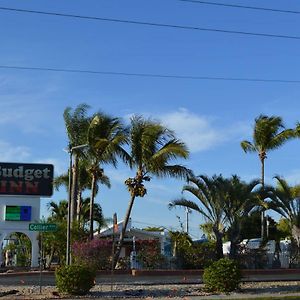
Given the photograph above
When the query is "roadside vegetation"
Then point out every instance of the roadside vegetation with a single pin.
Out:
(233, 210)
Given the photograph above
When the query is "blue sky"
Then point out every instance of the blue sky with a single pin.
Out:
(212, 117)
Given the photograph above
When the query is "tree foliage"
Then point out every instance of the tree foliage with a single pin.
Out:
(209, 192)
(153, 148)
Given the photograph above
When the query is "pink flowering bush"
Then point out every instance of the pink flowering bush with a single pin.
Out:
(95, 253)
(148, 254)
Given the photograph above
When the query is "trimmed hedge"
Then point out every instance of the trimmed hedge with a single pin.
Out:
(222, 276)
(75, 279)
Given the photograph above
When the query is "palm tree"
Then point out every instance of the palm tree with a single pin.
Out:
(84, 183)
(77, 123)
(58, 212)
(211, 194)
(285, 200)
(269, 134)
(152, 148)
(58, 215)
(241, 198)
(106, 136)
(98, 216)
(54, 242)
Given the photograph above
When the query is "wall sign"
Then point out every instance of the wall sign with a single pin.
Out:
(26, 179)
(17, 213)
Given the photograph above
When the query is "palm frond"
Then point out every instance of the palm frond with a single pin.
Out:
(62, 180)
(76, 122)
(188, 204)
(248, 146)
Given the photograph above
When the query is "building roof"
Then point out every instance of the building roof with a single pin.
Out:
(131, 231)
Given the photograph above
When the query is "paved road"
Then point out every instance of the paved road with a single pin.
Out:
(49, 280)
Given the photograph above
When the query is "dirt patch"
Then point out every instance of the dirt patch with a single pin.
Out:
(122, 291)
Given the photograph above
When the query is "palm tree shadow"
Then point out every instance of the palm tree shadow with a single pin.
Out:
(142, 293)
(273, 289)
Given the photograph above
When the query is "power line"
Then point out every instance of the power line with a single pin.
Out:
(149, 75)
(217, 30)
(243, 6)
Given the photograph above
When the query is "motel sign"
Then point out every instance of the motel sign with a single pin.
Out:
(26, 179)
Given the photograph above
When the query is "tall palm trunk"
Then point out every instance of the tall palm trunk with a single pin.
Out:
(263, 173)
(234, 241)
(219, 243)
(78, 209)
(262, 216)
(93, 192)
(122, 235)
(74, 188)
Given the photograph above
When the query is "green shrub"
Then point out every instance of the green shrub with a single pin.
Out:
(222, 276)
(75, 279)
(189, 254)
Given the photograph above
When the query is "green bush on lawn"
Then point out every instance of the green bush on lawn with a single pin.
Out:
(222, 276)
(75, 279)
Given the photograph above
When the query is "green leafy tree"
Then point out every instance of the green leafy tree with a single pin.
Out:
(98, 216)
(207, 229)
(58, 211)
(180, 240)
(106, 137)
(152, 148)
(211, 194)
(269, 134)
(250, 225)
(54, 243)
(284, 228)
(20, 245)
(240, 199)
(84, 183)
(285, 200)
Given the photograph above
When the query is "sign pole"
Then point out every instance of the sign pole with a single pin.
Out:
(69, 216)
(41, 262)
(42, 227)
(114, 231)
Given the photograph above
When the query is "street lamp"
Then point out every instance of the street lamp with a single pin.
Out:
(68, 252)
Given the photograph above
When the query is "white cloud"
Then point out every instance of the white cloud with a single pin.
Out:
(239, 131)
(59, 166)
(11, 153)
(199, 132)
(196, 131)
(118, 176)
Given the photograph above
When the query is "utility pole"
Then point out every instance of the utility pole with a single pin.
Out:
(187, 211)
(70, 200)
